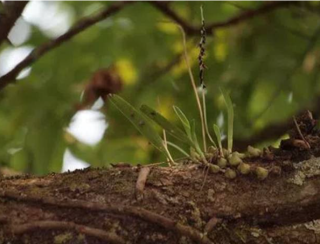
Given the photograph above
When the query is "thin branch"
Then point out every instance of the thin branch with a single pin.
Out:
(165, 9)
(300, 133)
(109, 237)
(141, 213)
(264, 9)
(38, 52)
(274, 131)
(246, 15)
(275, 24)
(270, 132)
(141, 181)
(157, 72)
(12, 12)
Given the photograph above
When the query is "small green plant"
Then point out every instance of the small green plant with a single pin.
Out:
(166, 125)
(141, 123)
(229, 105)
(184, 121)
(186, 57)
(189, 127)
(178, 148)
(218, 135)
(189, 136)
(194, 138)
(226, 161)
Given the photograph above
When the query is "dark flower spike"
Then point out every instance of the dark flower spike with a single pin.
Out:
(202, 50)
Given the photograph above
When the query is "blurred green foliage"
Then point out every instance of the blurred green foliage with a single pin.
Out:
(269, 63)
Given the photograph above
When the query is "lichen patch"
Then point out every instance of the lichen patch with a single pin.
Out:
(305, 169)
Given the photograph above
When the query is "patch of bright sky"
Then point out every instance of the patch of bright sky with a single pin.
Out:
(20, 33)
(70, 162)
(98, 104)
(10, 57)
(52, 18)
(88, 127)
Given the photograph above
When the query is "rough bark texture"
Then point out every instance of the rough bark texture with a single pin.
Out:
(101, 206)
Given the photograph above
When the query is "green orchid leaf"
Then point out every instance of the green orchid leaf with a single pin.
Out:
(138, 120)
(218, 135)
(166, 125)
(194, 137)
(185, 122)
(178, 148)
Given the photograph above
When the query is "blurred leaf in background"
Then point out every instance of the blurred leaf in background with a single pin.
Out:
(269, 61)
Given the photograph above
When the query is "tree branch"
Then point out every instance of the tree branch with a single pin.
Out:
(249, 14)
(12, 12)
(166, 10)
(275, 207)
(38, 52)
(246, 15)
(175, 207)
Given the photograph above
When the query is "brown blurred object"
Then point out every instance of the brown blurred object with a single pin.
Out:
(102, 83)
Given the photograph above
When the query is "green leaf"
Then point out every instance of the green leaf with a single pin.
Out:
(165, 124)
(20, 160)
(138, 120)
(46, 148)
(194, 137)
(229, 105)
(185, 122)
(178, 148)
(218, 135)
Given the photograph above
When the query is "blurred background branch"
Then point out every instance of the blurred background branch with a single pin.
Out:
(80, 26)
(211, 27)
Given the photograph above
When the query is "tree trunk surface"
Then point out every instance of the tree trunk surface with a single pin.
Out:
(179, 204)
